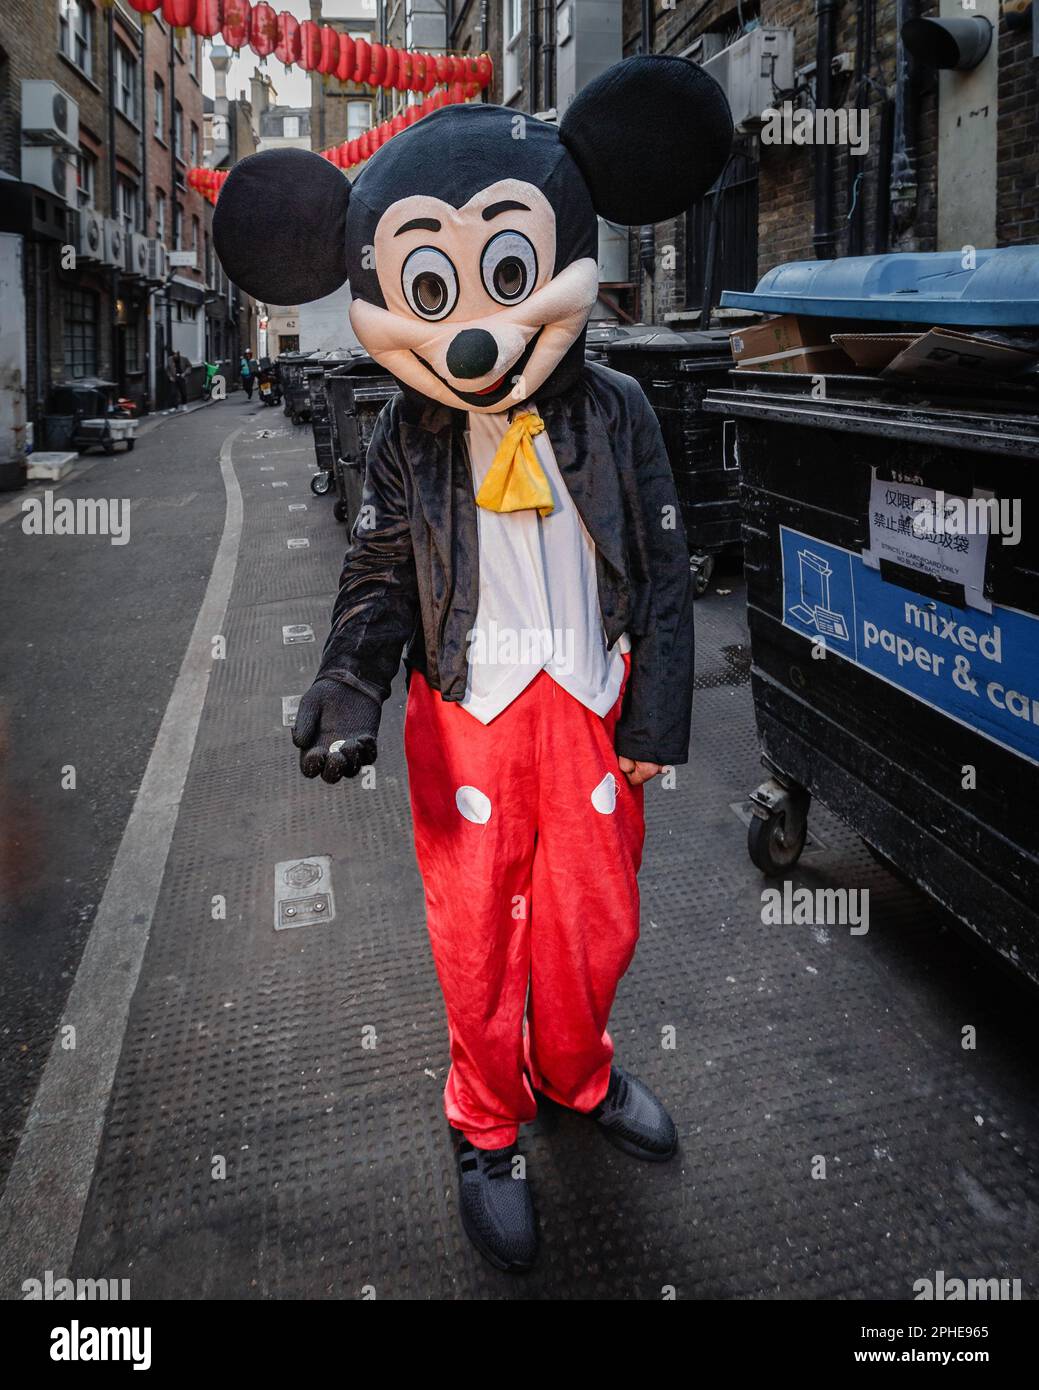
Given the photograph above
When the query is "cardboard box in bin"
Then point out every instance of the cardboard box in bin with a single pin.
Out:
(940, 355)
(789, 343)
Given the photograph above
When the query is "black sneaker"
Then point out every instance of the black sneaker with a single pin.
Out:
(632, 1118)
(497, 1209)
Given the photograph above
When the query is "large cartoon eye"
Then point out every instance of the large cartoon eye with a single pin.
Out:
(429, 282)
(509, 267)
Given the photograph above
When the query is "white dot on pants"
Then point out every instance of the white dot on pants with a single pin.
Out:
(473, 805)
(604, 798)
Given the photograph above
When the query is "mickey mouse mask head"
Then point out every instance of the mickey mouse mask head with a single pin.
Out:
(470, 239)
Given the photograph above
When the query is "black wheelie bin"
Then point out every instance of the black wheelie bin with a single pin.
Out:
(676, 370)
(891, 549)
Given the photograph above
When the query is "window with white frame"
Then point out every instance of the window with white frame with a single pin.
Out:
(126, 192)
(290, 127)
(511, 65)
(178, 129)
(159, 126)
(86, 178)
(358, 118)
(76, 32)
(125, 81)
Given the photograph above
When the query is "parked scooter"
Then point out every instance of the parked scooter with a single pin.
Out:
(270, 390)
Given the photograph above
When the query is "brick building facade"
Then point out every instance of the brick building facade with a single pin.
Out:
(958, 186)
(137, 89)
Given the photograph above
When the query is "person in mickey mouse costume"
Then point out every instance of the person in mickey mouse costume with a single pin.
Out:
(518, 545)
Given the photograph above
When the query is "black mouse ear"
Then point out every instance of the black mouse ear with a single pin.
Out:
(650, 135)
(280, 226)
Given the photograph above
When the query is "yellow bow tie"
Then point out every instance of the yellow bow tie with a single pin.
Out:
(515, 480)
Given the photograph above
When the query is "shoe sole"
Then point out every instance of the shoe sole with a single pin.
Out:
(504, 1265)
(635, 1151)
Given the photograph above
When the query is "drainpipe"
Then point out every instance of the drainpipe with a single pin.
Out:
(647, 234)
(113, 186)
(484, 36)
(824, 240)
(549, 55)
(535, 53)
(903, 155)
(172, 85)
(856, 177)
(149, 294)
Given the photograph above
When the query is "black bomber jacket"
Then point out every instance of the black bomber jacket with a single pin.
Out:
(410, 580)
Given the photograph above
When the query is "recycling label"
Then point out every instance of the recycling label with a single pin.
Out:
(981, 669)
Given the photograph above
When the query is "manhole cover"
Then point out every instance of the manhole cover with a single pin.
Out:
(303, 892)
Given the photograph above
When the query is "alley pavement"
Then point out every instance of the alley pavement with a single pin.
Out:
(252, 1108)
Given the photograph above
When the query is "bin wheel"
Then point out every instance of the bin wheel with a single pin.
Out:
(320, 483)
(108, 445)
(768, 846)
(702, 567)
(297, 418)
(339, 511)
(129, 444)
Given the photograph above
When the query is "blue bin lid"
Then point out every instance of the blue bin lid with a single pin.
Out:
(930, 287)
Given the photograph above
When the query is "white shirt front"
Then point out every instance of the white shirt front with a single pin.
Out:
(538, 603)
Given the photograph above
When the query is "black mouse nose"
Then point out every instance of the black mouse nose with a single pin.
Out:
(472, 353)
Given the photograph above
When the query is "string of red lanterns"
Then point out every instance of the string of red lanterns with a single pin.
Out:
(209, 182)
(319, 48)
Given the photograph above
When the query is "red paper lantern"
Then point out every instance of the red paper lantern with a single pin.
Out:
(471, 90)
(364, 145)
(310, 45)
(389, 77)
(179, 13)
(398, 123)
(264, 36)
(377, 71)
(237, 23)
(208, 18)
(363, 60)
(346, 60)
(457, 94)
(329, 55)
(288, 49)
(418, 71)
(412, 114)
(442, 63)
(408, 73)
(484, 70)
(145, 7)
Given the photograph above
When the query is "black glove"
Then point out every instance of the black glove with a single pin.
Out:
(331, 713)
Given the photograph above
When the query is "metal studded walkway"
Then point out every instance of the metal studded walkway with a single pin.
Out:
(275, 1127)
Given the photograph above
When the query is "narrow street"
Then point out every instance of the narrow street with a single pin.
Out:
(252, 1109)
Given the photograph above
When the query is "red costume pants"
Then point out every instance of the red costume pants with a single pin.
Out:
(529, 840)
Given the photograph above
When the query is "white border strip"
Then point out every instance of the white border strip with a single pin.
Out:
(43, 1202)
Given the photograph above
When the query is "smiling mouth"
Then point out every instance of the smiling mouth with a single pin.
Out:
(498, 390)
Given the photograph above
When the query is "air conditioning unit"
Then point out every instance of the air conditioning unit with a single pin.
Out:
(114, 244)
(753, 72)
(49, 115)
(90, 234)
(158, 261)
(49, 168)
(136, 254)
